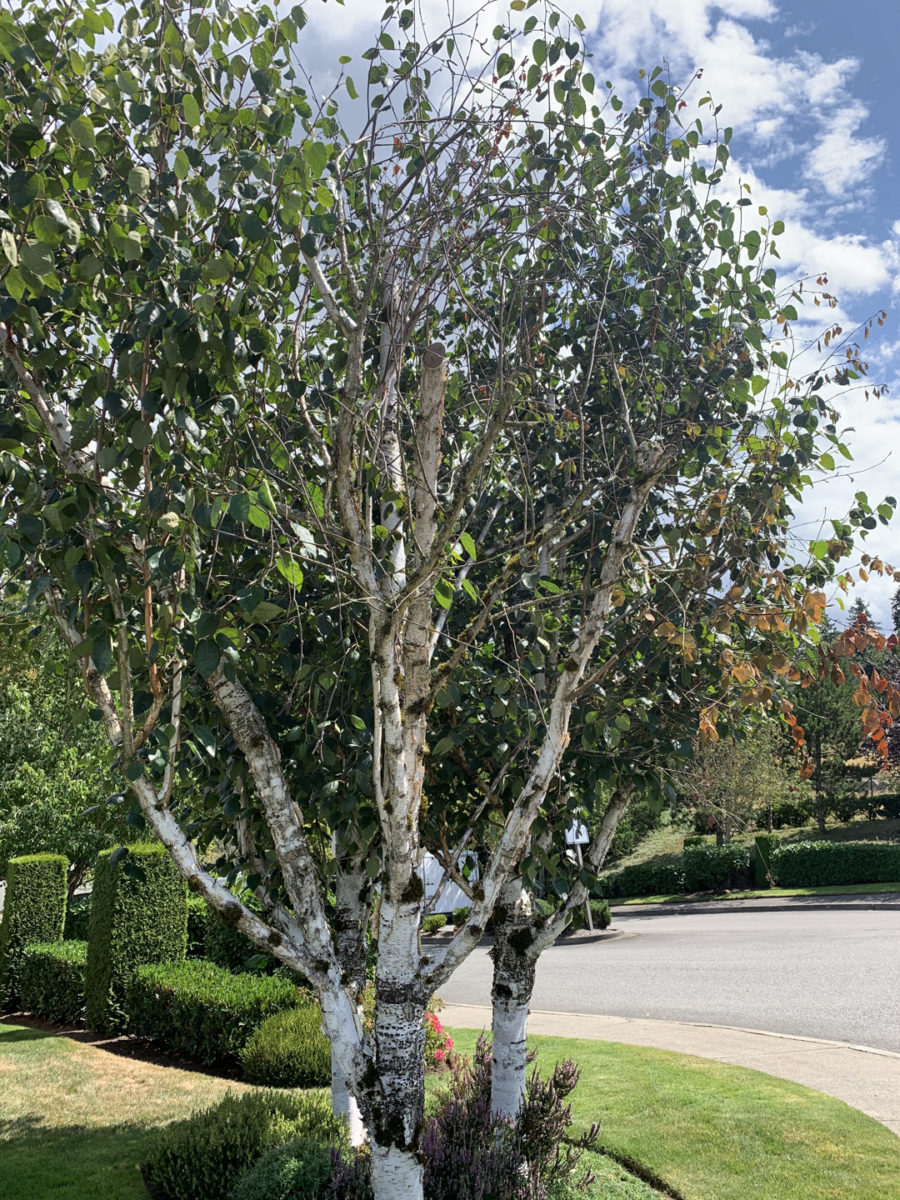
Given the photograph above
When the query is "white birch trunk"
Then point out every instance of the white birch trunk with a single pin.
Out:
(344, 1103)
(513, 984)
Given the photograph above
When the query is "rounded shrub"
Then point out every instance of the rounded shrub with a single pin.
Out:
(433, 923)
(299, 1170)
(203, 1157)
(289, 1049)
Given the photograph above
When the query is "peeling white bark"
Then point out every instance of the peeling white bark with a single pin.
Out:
(513, 983)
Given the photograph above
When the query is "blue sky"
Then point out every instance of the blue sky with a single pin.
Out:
(807, 86)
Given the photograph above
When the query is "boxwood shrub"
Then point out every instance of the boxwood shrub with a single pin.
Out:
(824, 864)
(53, 981)
(433, 923)
(203, 1157)
(289, 1049)
(34, 911)
(646, 879)
(202, 1011)
(138, 916)
(707, 868)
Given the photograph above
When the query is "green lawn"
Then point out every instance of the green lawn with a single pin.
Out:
(846, 889)
(74, 1119)
(717, 1132)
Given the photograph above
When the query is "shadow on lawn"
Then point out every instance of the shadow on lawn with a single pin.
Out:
(74, 1162)
(28, 1028)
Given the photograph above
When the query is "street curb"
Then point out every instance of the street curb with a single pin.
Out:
(664, 908)
(767, 1033)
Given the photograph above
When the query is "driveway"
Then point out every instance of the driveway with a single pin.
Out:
(832, 975)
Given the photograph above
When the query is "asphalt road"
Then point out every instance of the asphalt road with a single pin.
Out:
(832, 975)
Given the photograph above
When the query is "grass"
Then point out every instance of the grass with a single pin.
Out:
(74, 1118)
(711, 1131)
(846, 889)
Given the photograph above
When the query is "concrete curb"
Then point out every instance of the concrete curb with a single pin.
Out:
(861, 903)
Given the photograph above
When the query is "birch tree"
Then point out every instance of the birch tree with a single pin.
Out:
(273, 390)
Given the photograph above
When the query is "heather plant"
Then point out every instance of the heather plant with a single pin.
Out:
(472, 1155)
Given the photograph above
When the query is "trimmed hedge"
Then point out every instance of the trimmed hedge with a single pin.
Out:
(34, 911)
(824, 864)
(765, 845)
(138, 916)
(53, 981)
(646, 879)
(289, 1049)
(202, 1011)
(203, 1157)
(433, 923)
(708, 868)
(78, 916)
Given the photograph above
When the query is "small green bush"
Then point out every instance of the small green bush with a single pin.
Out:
(200, 1010)
(461, 915)
(138, 916)
(298, 1170)
(203, 1157)
(34, 911)
(824, 864)
(707, 868)
(646, 879)
(197, 910)
(434, 923)
(600, 916)
(53, 981)
(694, 840)
(78, 916)
(765, 845)
(289, 1049)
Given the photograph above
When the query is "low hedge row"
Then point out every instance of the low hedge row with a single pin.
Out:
(52, 981)
(824, 864)
(645, 879)
(711, 868)
(200, 1010)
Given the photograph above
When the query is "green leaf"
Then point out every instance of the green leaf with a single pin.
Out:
(351, 88)
(443, 593)
(239, 507)
(266, 612)
(82, 131)
(259, 517)
(141, 434)
(102, 654)
(290, 570)
(138, 180)
(818, 549)
(10, 249)
(468, 543)
(38, 258)
(826, 462)
(191, 110)
(206, 739)
(505, 63)
(207, 657)
(182, 165)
